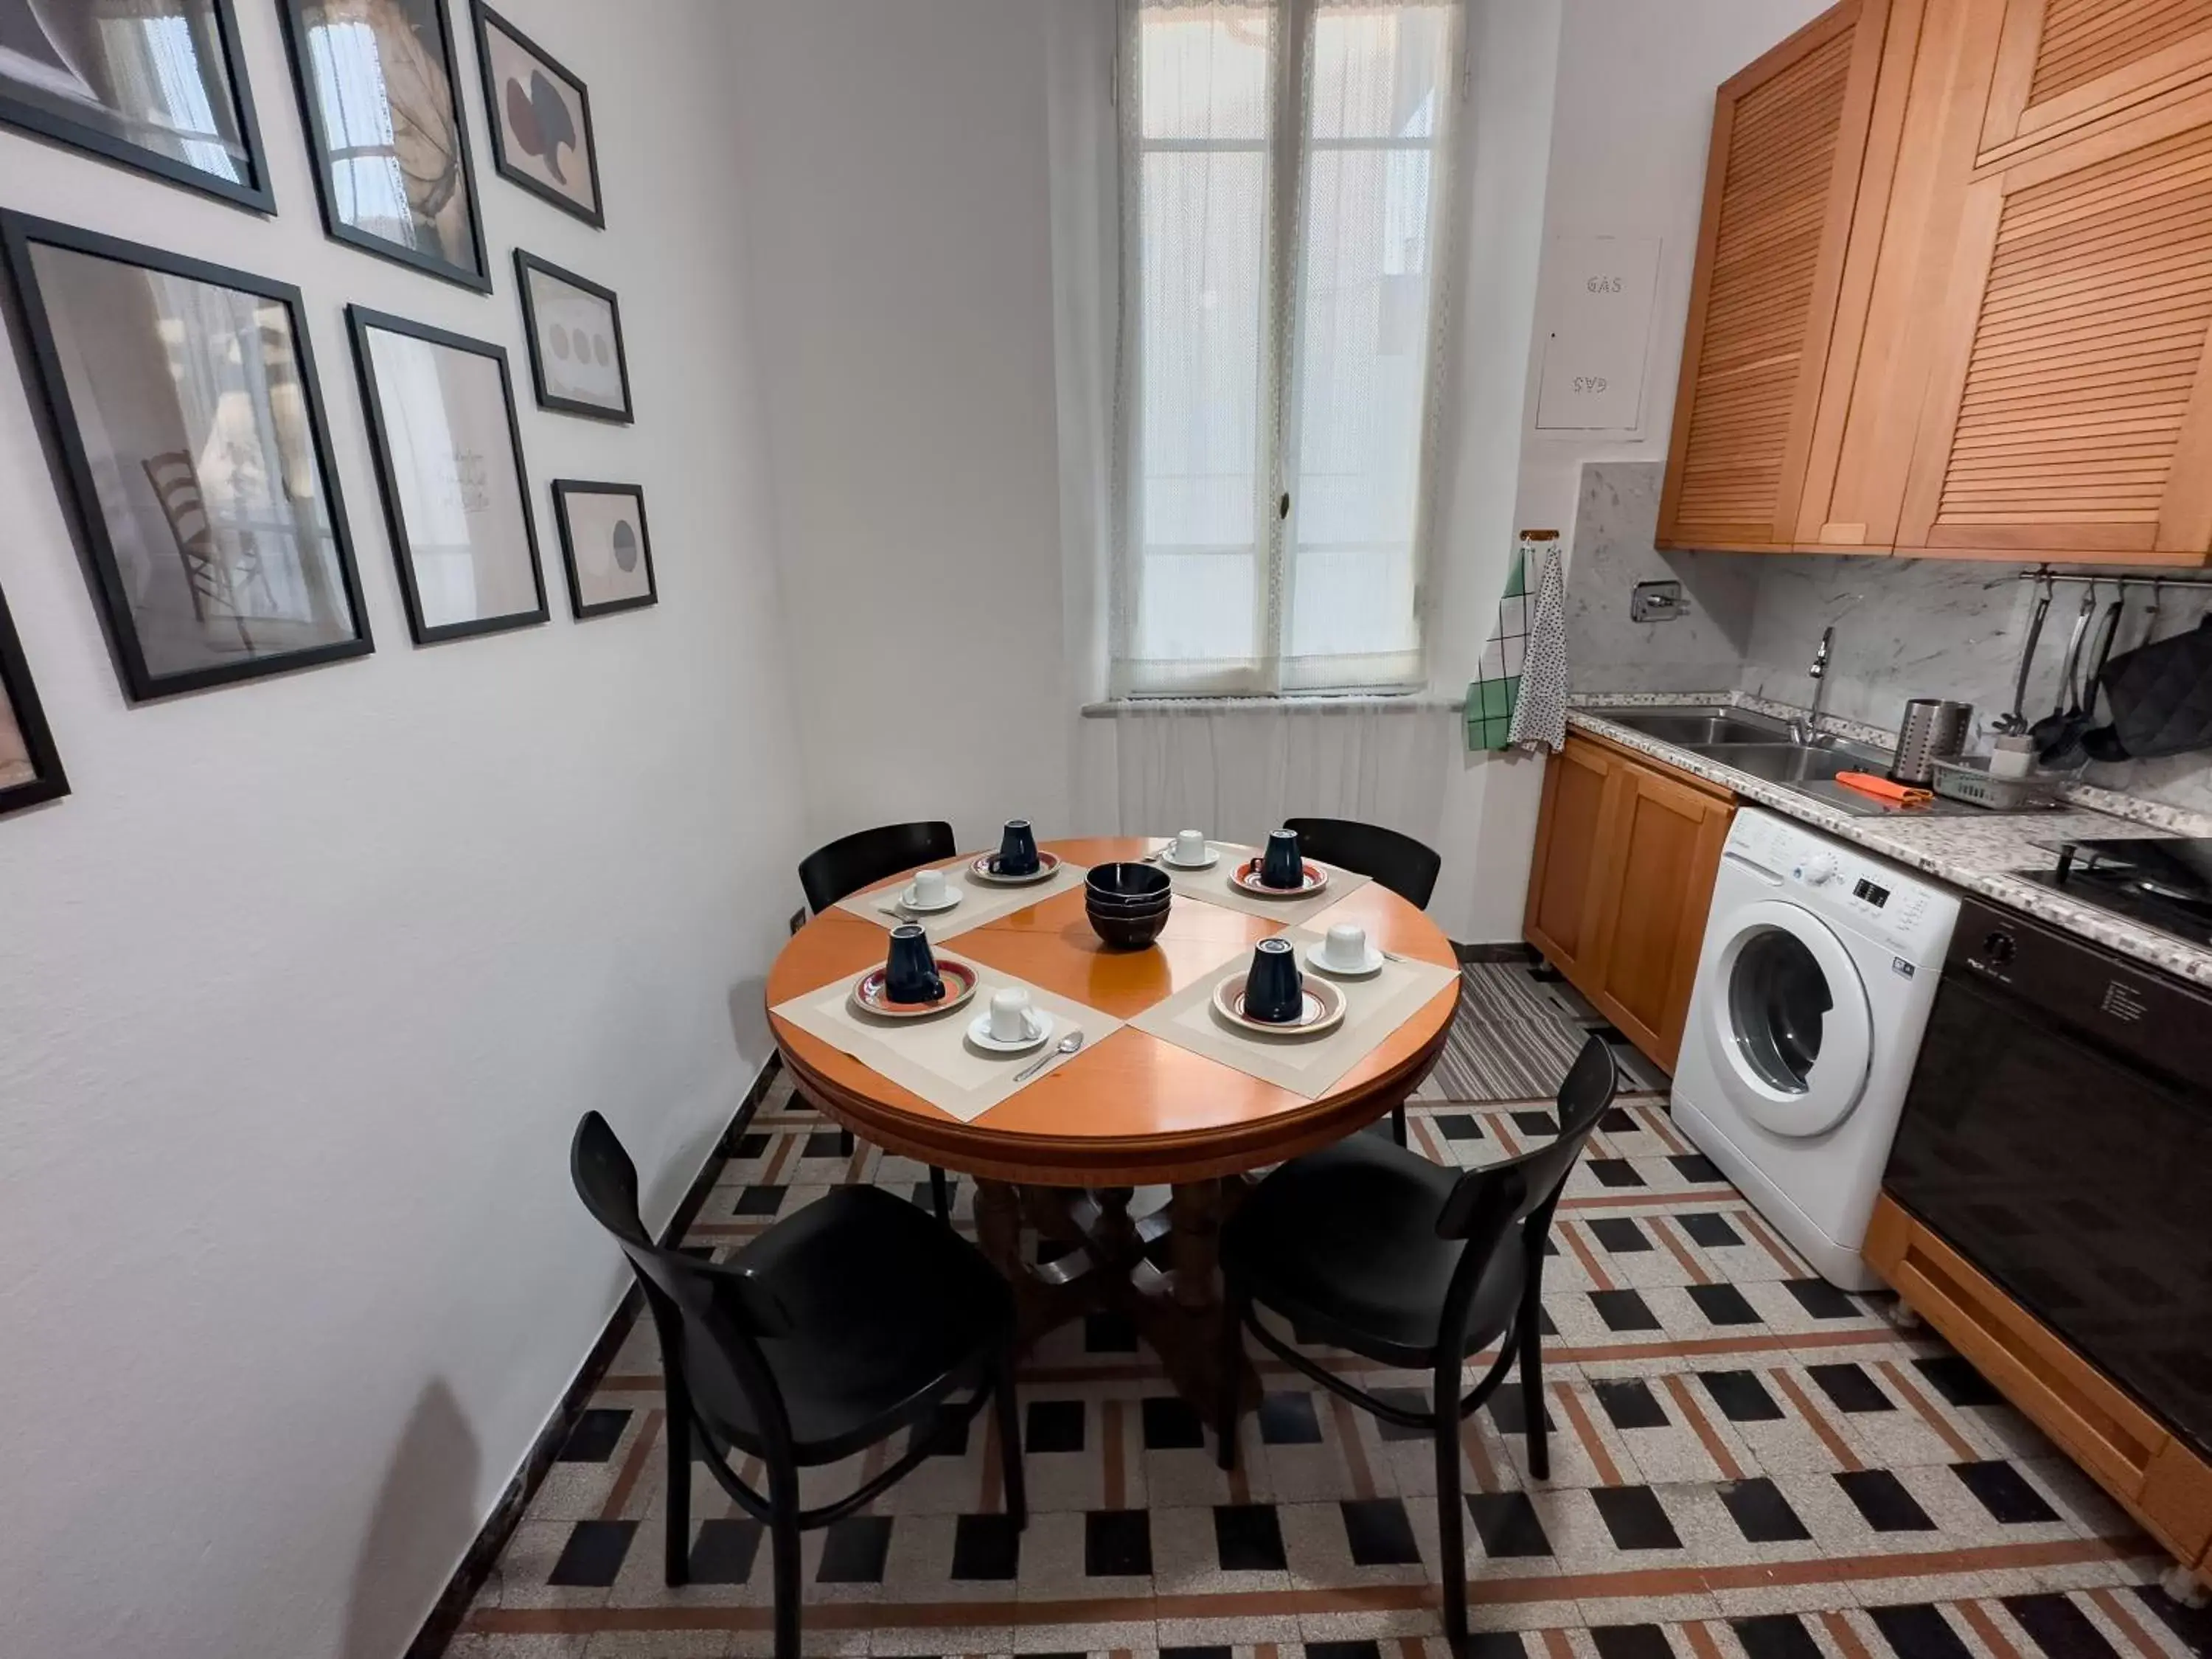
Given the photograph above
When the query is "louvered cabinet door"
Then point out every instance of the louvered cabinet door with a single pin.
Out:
(1781, 181)
(2069, 411)
(2065, 67)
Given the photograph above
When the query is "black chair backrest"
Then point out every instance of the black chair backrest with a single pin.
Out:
(850, 863)
(1526, 1189)
(1401, 864)
(710, 1317)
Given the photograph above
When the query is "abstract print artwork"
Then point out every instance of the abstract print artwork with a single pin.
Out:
(574, 330)
(605, 547)
(541, 119)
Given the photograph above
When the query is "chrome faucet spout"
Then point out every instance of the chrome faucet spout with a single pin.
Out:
(1804, 729)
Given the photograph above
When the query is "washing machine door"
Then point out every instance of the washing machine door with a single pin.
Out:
(1790, 1034)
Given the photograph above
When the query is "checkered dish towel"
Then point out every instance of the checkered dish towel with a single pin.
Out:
(1519, 698)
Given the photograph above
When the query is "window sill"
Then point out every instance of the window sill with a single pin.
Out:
(1317, 702)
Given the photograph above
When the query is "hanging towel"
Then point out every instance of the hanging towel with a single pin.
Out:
(1519, 695)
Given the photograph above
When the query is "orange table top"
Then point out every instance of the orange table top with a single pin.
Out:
(1131, 1109)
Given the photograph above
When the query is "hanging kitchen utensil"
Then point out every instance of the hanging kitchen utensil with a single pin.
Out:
(2102, 743)
(2047, 731)
(2066, 749)
(2013, 720)
(2161, 698)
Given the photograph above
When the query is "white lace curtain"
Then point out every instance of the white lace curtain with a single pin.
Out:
(1283, 180)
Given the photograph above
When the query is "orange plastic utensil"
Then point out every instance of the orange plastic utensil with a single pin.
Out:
(1884, 789)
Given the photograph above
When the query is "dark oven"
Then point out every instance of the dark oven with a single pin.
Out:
(2058, 1133)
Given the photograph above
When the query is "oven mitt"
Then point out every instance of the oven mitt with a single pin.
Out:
(2160, 696)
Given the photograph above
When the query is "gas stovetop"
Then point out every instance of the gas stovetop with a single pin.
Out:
(2162, 881)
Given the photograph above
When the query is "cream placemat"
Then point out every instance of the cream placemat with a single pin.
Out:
(980, 900)
(1212, 886)
(1374, 1008)
(933, 1057)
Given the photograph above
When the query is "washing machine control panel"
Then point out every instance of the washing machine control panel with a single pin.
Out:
(1866, 893)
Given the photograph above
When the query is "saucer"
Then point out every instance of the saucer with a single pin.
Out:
(960, 979)
(1245, 877)
(981, 869)
(906, 900)
(979, 1033)
(1168, 858)
(1317, 957)
(1320, 1009)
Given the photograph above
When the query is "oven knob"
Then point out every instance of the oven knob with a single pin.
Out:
(1999, 946)
(1814, 868)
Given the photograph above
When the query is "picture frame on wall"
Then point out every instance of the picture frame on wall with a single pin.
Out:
(30, 766)
(187, 416)
(448, 448)
(605, 547)
(541, 119)
(379, 93)
(160, 89)
(578, 365)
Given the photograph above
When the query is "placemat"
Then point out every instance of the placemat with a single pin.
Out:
(980, 900)
(1374, 1008)
(933, 1057)
(1211, 886)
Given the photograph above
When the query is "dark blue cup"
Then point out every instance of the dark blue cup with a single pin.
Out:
(1273, 989)
(910, 974)
(1282, 866)
(1017, 852)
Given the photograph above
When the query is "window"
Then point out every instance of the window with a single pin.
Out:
(1283, 191)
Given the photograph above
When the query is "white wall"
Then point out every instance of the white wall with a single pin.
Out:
(894, 164)
(303, 990)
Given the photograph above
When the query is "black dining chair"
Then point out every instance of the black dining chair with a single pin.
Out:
(1407, 867)
(1370, 1248)
(848, 1320)
(852, 862)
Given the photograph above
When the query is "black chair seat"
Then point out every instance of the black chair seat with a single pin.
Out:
(1343, 1242)
(892, 1311)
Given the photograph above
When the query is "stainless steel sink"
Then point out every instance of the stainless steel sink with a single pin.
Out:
(1699, 728)
(1789, 763)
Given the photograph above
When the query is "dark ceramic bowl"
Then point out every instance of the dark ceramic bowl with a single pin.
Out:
(1125, 883)
(1124, 931)
(1119, 907)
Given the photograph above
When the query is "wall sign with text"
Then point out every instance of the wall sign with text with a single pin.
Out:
(1598, 317)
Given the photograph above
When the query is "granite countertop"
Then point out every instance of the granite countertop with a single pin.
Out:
(1977, 854)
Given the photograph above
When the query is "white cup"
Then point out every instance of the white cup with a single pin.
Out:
(1009, 1015)
(1190, 847)
(1345, 946)
(928, 891)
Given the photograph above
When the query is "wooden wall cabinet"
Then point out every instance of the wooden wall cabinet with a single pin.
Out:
(1627, 851)
(1953, 291)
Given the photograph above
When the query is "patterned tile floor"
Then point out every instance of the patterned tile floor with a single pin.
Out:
(1746, 1464)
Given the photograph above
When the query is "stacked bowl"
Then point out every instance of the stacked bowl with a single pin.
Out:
(1128, 904)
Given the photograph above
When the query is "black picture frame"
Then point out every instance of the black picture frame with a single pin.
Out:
(48, 383)
(258, 196)
(19, 699)
(525, 265)
(361, 321)
(321, 151)
(563, 488)
(487, 20)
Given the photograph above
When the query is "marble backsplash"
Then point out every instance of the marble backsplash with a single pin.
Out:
(1905, 628)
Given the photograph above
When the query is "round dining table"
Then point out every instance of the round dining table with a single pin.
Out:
(1066, 1153)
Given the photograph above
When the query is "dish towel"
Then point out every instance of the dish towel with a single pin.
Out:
(1540, 713)
(1517, 653)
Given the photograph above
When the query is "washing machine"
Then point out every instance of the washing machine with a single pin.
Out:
(1813, 988)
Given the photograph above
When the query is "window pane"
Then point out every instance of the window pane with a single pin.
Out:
(1205, 71)
(1380, 81)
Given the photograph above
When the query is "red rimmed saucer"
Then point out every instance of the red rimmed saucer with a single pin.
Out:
(981, 869)
(1245, 877)
(1321, 1008)
(960, 979)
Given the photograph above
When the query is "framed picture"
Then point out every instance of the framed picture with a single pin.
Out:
(574, 330)
(387, 139)
(449, 454)
(158, 87)
(604, 544)
(30, 768)
(186, 413)
(541, 119)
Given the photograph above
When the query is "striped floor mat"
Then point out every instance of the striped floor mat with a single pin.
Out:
(1512, 1039)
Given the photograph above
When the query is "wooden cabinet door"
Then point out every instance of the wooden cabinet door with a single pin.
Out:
(1782, 184)
(2067, 65)
(1560, 918)
(1661, 851)
(2069, 411)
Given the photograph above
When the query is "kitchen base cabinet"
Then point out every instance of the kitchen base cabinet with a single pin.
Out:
(2153, 1474)
(1627, 851)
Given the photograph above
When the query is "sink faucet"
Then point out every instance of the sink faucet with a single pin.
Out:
(1803, 728)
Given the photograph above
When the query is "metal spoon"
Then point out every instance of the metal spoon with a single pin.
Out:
(1066, 1045)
